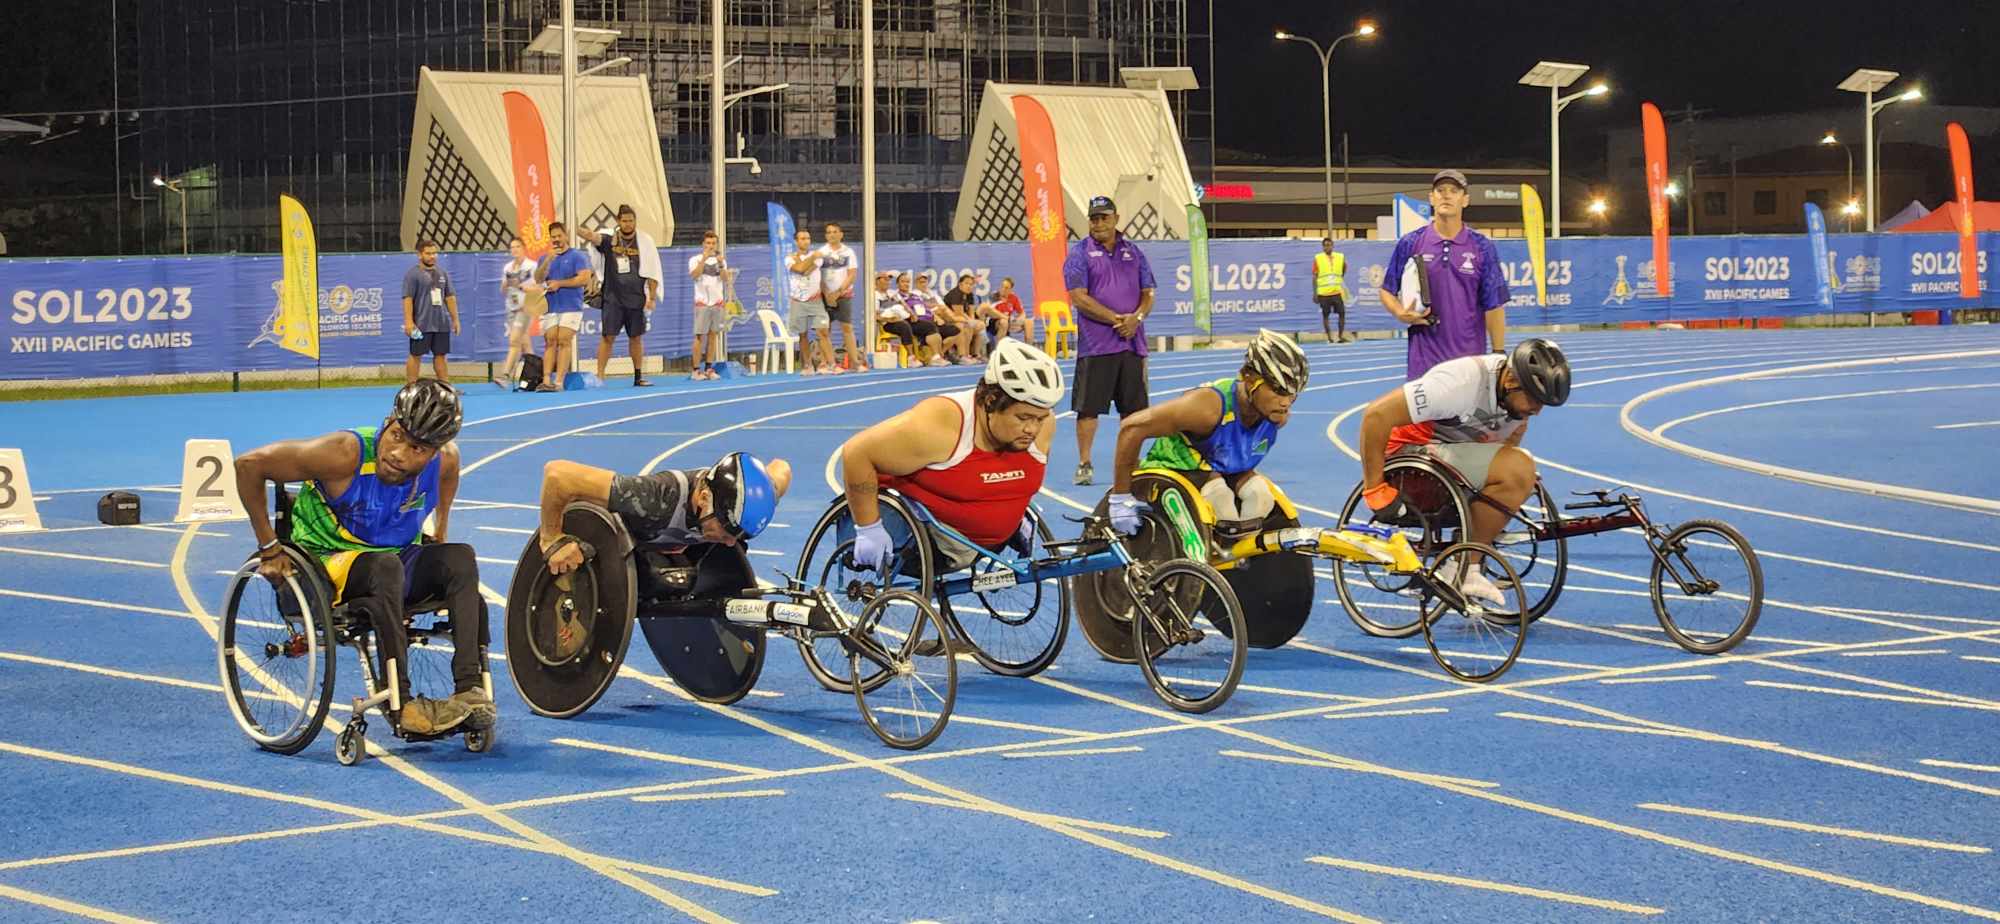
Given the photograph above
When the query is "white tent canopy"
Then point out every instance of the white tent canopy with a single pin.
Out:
(460, 186)
(1110, 141)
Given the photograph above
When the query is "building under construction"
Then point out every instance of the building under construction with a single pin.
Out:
(247, 101)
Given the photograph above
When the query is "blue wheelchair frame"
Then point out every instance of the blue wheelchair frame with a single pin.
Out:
(1001, 572)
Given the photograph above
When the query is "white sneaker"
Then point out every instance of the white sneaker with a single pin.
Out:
(1477, 588)
(939, 361)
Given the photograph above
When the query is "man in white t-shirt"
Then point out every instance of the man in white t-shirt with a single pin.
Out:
(839, 268)
(808, 313)
(1469, 413)
(711, 275)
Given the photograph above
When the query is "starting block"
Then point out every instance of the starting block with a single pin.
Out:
(208, 483)
(17, 499)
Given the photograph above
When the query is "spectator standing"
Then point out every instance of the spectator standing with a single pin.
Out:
(1111, 288)
(518, 291)
(711, 274)
(564, 276)
(430, 313)
(808, 313)
(839, 270)
(629, 288)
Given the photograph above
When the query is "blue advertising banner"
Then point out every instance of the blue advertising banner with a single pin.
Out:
(138, 316)
(1816, 244)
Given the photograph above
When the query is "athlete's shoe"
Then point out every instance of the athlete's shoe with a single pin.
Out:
(423, 716)
(1477, 588)
(1084, 474)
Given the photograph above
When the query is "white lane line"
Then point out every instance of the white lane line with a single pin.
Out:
(1617, 680)
(1894, 654)
(1863, 694)
(1955, 765)
(507, 529)
(1569, 898)
(1816, 829)
(1961, 426)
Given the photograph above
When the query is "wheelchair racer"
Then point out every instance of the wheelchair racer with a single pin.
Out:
(973, 458)
(1469, 413)
(1216, 435)
(360, 514)
(725, 504)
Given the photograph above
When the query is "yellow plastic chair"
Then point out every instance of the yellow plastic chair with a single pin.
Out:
(885, 341)
(1058, 329)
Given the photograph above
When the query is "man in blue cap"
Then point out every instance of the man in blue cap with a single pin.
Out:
(1111, 286)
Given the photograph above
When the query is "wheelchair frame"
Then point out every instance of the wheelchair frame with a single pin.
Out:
(317, 635)
(1099, 549)
(1350, 544)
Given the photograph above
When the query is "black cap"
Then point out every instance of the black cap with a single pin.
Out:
(1102, 205)
(1452, 175)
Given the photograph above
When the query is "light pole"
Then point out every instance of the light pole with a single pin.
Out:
(717, 105)
(1364, 30)
(1556, 75)
(1844, 149)
(175, 187)
(1865, 82)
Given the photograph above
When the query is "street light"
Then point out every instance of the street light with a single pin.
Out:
(1673, 189)
(1844, 149)
(1866, 81)
(1556, 75)
(175, 187)
(1363, 30)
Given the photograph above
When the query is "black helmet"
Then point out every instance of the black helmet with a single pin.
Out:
(1278, 361)
(429, 412)
(1543, 371)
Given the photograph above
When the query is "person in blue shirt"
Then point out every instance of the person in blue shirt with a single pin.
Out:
(1216, 435)
(565, 275)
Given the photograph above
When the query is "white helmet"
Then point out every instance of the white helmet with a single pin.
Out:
(1026, 374)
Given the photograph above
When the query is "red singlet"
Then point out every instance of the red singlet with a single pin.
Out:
(979, 493)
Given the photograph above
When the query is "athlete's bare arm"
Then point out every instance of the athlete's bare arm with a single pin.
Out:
(329, 459)
(1383, 415)
(923, 435)
(1195, 412)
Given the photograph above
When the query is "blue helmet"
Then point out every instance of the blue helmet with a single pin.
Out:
(743, 495)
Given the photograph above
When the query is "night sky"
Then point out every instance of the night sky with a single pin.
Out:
(1439, 82)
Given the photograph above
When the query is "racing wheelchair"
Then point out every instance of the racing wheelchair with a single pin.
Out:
(1269, 564)
(1009, 609)
(276, 655)
(1706, 584)
(705, 616)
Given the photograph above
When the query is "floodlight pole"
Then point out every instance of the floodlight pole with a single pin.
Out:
(569, 195)
(718, 207)
(867, 277)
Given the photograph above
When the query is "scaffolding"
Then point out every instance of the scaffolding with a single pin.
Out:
(249, 100)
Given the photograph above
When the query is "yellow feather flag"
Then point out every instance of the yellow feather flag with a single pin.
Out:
(297, 329)
(1531, 224)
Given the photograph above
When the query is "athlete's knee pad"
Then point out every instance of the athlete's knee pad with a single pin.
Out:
(1222, 499)
(1254, 499)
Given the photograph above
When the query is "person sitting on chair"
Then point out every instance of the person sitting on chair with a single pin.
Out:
(361, 515)
(1215, 435)
(973, 458)
(1469, 413)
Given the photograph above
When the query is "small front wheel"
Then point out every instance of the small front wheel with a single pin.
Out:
(1707, 586)
(902, 669)
(481, 740)
(351, 745)
(1189, 626)
(1472, 611)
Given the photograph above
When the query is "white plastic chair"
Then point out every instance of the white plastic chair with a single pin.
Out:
(776, 337)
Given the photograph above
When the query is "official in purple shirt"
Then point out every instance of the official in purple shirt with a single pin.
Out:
(1111, 288)
(1467, 293)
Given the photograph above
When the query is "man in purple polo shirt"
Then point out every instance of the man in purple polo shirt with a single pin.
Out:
(1111, 286)
(1465, 300)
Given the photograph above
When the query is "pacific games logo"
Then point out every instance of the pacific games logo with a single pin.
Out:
(1859, 273)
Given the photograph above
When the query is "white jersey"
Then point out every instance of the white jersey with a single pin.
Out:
(708, 288)
(834, 264)
(513, 277)
(1457, 401)
(804, 286)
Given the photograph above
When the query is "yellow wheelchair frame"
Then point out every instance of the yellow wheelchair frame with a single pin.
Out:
(1276, 589)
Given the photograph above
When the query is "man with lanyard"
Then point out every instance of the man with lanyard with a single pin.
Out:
(1462, 294)
(973, 458)
(1111, 286)
(361, 515)
(1330, 287)
(430, 313)
(1216, 435)
(839, 269)
(630, 288)
(724, 504)
(1469, 413)
(564, 276)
